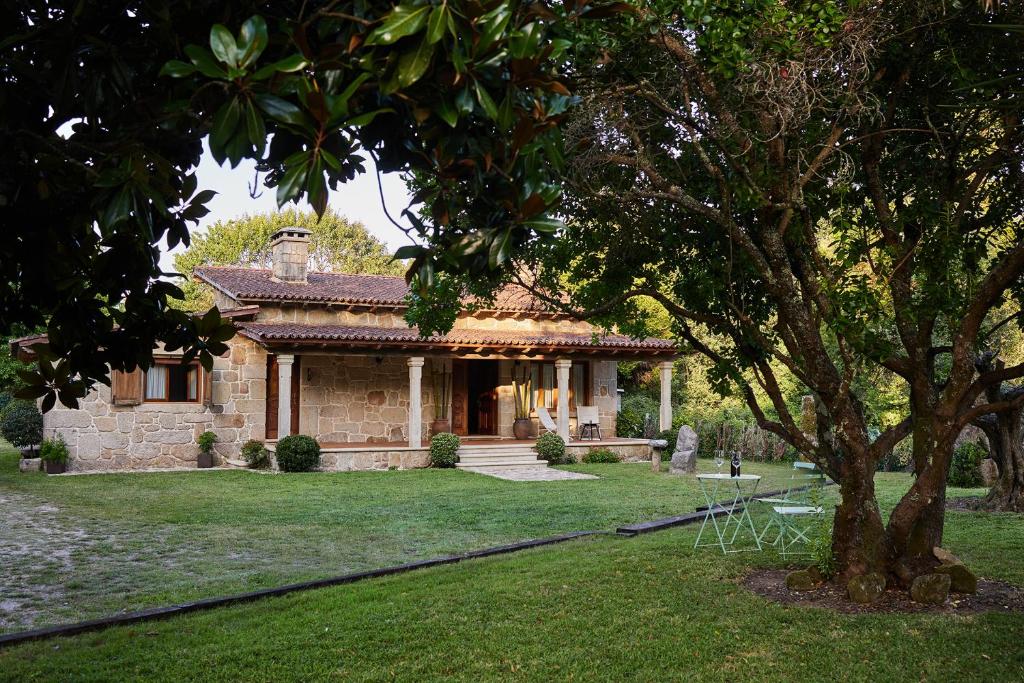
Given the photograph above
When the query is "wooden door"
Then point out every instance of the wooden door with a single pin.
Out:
(487, 398)
(272, 398)
(460, 398)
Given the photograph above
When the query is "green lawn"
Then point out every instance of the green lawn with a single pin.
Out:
(79, 547)
(602, 609)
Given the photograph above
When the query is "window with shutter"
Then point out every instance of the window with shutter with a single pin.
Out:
(126, 387)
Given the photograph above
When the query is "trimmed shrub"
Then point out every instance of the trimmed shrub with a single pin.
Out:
(255, 454)
(444, 450)
(297, 453)
(22, 424)
(54, 450)
(551, 447)
(965, 468)
(601, 455)
(5, 399)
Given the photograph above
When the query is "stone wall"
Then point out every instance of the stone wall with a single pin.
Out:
(348, 399)
(102, 436)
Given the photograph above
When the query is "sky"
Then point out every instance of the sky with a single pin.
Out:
(358, 200)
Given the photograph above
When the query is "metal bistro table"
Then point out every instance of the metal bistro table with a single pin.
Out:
(745, 487)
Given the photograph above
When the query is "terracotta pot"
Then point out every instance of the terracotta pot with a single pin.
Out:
(440, 426)
(521, 428)
(55, 467)
(205, 460)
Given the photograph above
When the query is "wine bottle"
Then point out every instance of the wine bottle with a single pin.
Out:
(734, 467)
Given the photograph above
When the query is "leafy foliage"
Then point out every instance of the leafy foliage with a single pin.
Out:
(965, 467)
(256, 454)
(106, 107)
(637, 417)
(54, 450)
(444, 449)
(601, 455)
(336, 245)
(22, 424)
(297, 453)
(551, 447)
(206, 441)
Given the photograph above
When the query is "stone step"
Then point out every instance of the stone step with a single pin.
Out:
(488, 454)
(507, 451)
(502, 462)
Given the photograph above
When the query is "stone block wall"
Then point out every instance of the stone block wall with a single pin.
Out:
(347, 399)
(102, 436)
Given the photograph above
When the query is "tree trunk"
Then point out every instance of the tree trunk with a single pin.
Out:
(916, 523)
(858, 534)
(1005, 433)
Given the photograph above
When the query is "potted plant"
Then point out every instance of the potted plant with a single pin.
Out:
(522, 425)
(206, 441)
(54, 453)
(441, 387)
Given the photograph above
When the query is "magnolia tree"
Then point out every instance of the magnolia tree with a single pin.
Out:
(821, 189)
(106, 106)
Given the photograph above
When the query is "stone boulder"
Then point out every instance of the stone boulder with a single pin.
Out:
(866, 588)
(961, 579)
(684, 458)
(803, 579)
(930, 589)
(944, 556)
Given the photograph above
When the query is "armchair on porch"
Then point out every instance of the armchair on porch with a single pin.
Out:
(548, 422)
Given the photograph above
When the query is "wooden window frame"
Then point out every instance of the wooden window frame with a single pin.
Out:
(588, 388)
(172, 362)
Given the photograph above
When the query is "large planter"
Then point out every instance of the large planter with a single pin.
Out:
(30, 464)
(205, 460)
(53, 467)
(440, 427)
(521, 428)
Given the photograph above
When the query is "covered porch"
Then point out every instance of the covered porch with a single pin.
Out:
(370, 395)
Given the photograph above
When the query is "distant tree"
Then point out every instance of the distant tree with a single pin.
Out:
(337, 245)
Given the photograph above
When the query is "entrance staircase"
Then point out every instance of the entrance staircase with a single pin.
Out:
(512, 455)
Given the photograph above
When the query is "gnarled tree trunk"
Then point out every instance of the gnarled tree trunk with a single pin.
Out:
(1005, 432)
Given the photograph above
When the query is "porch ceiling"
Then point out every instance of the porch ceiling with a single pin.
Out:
(461, 341)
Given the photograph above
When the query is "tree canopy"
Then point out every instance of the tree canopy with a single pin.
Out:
(822, 190)
(106, 104)
(336, 245)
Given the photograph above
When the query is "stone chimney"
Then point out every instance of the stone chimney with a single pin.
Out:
(289, 254)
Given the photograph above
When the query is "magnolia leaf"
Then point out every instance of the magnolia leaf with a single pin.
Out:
(437, 23)
(254, 39)
(401, 22)
(280, 109)
(177, 69)
(222, 43)
(205, 62)
(413, 64)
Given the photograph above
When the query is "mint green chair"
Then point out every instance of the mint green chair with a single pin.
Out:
(795, 514)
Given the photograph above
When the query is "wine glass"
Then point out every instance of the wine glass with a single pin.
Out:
(719, 460)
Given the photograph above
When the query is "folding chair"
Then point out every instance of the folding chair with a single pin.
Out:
(795, 514)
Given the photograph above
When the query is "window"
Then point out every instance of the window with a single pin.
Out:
(545, 381)
(173, 382)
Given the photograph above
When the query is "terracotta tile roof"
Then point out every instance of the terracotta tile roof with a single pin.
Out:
(254, 284)
(356, 336)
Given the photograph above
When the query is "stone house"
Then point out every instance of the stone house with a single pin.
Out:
(331, 356)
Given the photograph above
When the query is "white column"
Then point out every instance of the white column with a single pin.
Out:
(562, 366)
(666, 394)
(284, 394)
(415, 402)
